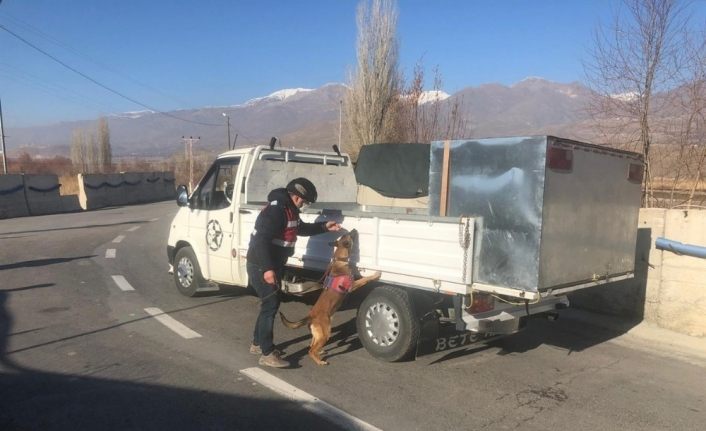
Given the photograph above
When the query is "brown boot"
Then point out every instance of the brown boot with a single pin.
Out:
(256, 350)
(273, 360)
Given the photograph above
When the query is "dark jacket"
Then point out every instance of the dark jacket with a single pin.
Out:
(270, 224)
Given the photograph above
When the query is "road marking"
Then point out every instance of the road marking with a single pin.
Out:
(133, 229)
(122, 283)
(172, 323)
(110, 253)
(119, 238)
(155, 219)
(308, 402)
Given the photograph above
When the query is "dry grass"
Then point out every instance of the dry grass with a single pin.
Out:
(681, 185)
(69, 184)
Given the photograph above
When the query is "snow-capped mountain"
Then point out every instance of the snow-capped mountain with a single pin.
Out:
(279, 95)
(309, 118)
(132, 114)
(433, 96)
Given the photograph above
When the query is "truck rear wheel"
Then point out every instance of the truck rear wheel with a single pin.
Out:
(187, 273)
(387, 324)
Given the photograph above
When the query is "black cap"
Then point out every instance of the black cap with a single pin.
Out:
(303, 188)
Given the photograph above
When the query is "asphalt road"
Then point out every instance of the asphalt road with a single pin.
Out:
(78, 352)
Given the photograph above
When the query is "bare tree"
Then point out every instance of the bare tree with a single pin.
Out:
(78, 150)
(424, 116)
(689, 130)
(91, 153)
(631, 61)
(374, 87)
(105, 151)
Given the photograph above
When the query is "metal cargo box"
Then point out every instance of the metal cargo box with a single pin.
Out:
(556, 213)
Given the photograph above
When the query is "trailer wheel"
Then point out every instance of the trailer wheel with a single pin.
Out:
(387, 324)
(187, 273)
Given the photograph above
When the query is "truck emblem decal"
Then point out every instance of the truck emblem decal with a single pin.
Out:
(214, 235)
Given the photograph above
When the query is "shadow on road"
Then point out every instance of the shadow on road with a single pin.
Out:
(34, 286)
(622, 301)
(47, 401)
(34, 399)
(173, 312)
(566, 334)
(74, 227)
(42, 262)
(344, 339)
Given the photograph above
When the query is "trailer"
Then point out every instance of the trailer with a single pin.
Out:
(482, 233)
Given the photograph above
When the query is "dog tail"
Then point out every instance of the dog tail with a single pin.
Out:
(294, 325)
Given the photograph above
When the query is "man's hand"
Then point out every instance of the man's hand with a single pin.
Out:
(332, 226)
(269, 277)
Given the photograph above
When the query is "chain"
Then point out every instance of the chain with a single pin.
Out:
(464, 240)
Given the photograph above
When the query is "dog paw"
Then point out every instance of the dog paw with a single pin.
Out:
(377, 275)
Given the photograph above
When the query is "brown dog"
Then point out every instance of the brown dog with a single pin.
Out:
(338, 282)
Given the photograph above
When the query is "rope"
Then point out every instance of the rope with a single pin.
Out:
(48, 189)
(107, 184)
(103, 184)
(12, 190)
(464, 240)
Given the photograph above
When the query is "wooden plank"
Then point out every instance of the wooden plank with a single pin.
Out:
(443, 205)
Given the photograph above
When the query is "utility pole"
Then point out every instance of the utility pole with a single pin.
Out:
(340, 123)
(228, 119)
(190, 155)
(2, 141)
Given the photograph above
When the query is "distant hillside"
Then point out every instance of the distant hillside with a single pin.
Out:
(309, 119)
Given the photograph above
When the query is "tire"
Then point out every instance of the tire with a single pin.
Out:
(387, 324)
(187, 273)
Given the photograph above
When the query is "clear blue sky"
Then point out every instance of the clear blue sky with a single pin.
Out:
(190, 54)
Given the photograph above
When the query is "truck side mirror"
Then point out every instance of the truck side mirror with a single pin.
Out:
(182, 196)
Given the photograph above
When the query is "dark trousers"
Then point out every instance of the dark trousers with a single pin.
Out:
(269, 304)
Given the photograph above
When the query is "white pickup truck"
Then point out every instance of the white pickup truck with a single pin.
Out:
(501, 230)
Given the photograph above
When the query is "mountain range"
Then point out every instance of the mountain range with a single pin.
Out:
(309, 118)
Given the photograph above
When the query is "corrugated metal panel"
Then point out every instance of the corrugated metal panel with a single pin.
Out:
(542, 228)
(502, 181)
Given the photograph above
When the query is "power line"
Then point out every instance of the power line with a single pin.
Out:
(75, 51)
(26, 78)
(166, 114)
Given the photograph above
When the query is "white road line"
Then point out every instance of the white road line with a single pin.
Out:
(119, 238)
(308, 402)
(110, 253)
(133, 229)
(122, 283)
(172, 323)
(155, 219)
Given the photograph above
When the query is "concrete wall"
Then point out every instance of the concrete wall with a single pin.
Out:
(102, 190)
(23, 195)
(668, 290)
(43, 196)
(12, 196)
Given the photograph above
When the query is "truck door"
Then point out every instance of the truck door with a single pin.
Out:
(211, 221)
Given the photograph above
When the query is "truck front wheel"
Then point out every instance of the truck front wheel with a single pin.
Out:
(187, 273)
(387, 324)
